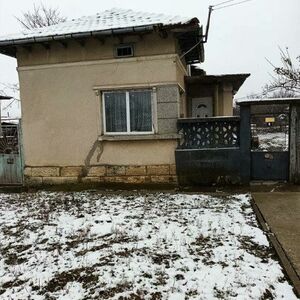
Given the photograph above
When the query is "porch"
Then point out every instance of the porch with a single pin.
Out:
(211, 95)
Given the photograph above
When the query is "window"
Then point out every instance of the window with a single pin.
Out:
(124, 51)
(127, 112)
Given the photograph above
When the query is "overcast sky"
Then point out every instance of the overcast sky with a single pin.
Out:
(240, 39)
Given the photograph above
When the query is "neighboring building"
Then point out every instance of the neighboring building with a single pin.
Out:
(101, 96)
(270, 115)
(3, 98)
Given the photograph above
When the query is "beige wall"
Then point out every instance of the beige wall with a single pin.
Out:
(93, 49)
(61, 113)
(130, 153)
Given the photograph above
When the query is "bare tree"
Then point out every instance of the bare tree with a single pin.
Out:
(283, 93)
(254, 96)
(285, 81)
(11, 90)
(40, 16)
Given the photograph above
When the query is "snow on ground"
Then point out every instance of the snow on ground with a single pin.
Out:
(88, 245)
(273, 141)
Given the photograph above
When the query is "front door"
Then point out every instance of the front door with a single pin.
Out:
(202, 107)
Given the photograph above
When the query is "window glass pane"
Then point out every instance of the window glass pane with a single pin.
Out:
(124, 51)
(115, 112)
(140, 111)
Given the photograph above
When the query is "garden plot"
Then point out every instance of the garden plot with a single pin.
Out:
(88, 245)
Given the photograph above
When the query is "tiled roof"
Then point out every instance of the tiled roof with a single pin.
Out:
(113, 19)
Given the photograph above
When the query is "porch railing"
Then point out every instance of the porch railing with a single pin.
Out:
(215, 132)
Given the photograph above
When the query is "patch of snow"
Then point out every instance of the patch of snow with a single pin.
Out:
(72, 291)
(88, 245)
(273, 141)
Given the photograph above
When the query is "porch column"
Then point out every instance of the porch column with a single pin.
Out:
(245, 144)
(227, 99)
(216, 100)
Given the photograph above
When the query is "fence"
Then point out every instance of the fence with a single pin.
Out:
(9, 139)
(218, 150)
(221, 132)
(11, 172)
(209, 151)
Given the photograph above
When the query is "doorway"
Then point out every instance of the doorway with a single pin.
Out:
(202, 107)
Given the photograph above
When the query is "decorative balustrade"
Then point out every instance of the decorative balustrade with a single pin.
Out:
(216, 132)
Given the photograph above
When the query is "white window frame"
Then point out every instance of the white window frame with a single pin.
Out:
(128, 132)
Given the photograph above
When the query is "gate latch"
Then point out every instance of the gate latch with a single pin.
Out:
(268, 156)
(10, 161)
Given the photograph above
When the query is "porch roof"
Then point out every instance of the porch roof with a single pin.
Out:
(236, 80)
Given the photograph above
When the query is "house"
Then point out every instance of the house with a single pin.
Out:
(101, 96)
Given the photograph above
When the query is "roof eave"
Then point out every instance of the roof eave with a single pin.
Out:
(8, 47)
(115, 31)
(31, 40)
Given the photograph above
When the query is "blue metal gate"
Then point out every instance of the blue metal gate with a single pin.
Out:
(10, 155)
(270, 165)
(270, 142)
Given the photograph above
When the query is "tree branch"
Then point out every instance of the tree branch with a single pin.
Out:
(40, 16)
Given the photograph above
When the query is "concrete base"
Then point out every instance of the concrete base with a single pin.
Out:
(102, 174)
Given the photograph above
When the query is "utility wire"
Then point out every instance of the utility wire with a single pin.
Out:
(10, 104)
(224, 2)
(234, 4)
(212, 8)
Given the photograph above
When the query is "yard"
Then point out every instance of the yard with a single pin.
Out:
(272, 140)
(90, 245)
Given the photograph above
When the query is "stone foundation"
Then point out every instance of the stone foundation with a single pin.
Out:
(102, 174)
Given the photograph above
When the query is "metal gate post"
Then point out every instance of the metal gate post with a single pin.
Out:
(245, 143)
(295, 144)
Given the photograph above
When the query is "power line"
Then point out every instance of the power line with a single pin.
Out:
(234, 4)
(224, 2)
(10, 104)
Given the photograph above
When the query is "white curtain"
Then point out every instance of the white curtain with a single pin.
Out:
(140, 111)
(115, 112)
